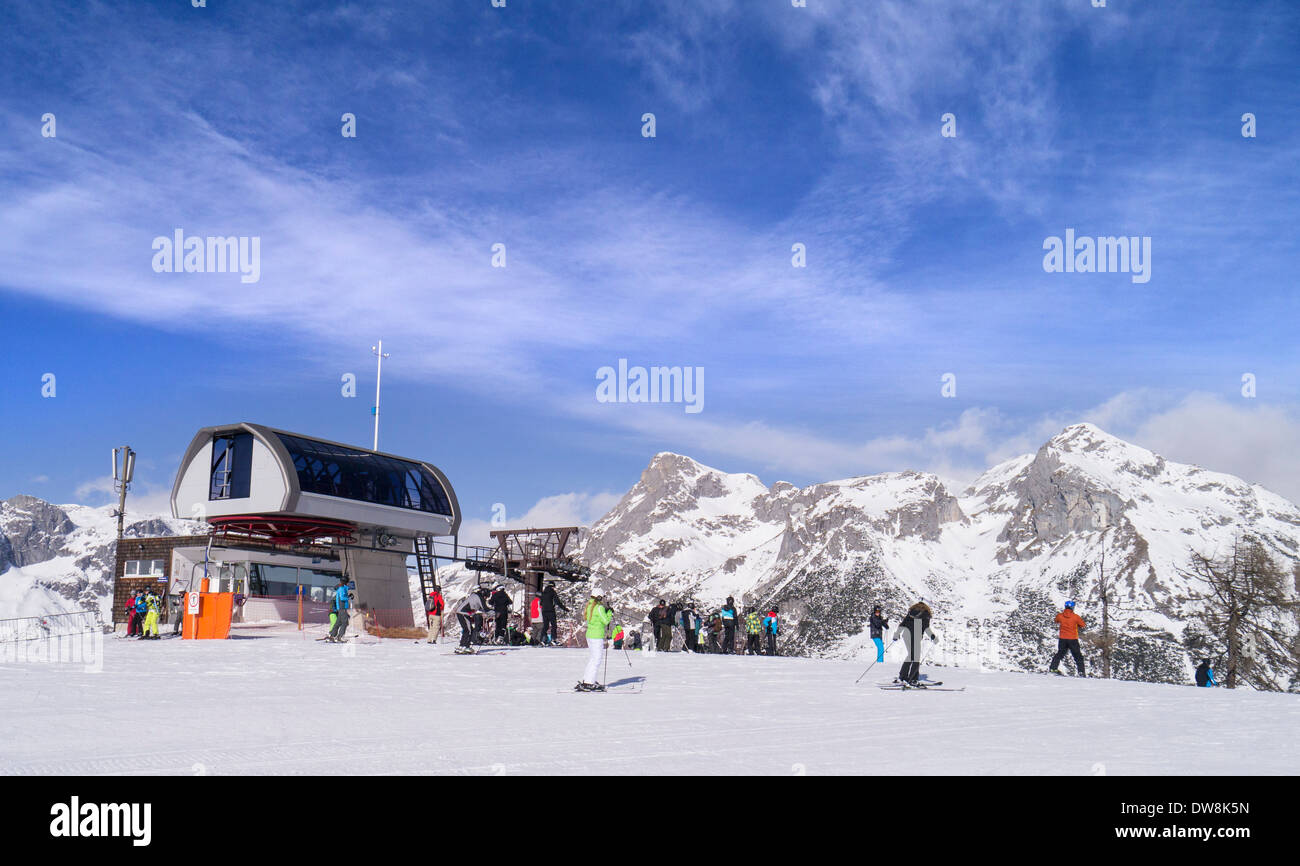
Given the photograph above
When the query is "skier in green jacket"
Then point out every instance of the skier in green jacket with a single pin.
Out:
(599, 615)
(753, 628)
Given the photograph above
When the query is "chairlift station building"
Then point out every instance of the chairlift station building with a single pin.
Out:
(289, 514)
(289, 510)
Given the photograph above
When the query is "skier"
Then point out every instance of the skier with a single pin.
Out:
(501, 603)
(152, 606)
(177, 610)
(1205, 675)
(770, 629)
(715, 633)
(689, 617)
(917, 625)
(342, 602)
(550, 601)
(1068, 640)
(436, 606)
(617, 636)
(659, 621)
(729, 619)
(131, 619)
(879, 625)
(472, 607)
(753, 626)
(598, 616)
(141, 610)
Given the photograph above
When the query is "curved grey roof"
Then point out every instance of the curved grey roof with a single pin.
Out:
(316, 471)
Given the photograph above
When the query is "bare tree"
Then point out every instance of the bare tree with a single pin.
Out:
(1248, 613)
(1107, 592)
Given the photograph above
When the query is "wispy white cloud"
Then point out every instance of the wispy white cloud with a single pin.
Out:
(142, 501)
(562, 509)
(1252, 441)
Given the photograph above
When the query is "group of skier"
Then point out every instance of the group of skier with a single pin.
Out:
(142, 610)
(915, 627)
(716, 632)
(485, 610)
(484, 617)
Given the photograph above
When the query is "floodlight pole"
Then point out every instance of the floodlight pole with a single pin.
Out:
(379, 352)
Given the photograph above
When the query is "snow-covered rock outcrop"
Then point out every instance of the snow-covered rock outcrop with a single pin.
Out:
(59, 558)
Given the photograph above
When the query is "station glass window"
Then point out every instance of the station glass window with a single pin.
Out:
(232, 466)
(350, 473)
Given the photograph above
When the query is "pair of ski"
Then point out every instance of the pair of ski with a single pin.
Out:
(919, 687)
(615, 690)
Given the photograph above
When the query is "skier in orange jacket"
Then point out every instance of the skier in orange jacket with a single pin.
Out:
(1068, 640)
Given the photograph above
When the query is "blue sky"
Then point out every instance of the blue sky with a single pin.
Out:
(522, 126)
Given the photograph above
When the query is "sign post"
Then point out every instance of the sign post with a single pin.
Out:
(192, 608)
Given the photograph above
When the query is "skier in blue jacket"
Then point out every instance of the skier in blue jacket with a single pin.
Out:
(1205, 675)
(141, 610)
(770, 629)
(342, 601)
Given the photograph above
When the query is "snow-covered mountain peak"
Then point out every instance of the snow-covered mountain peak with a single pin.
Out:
(1107, 458)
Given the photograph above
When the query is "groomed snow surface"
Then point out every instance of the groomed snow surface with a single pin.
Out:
(276, 701)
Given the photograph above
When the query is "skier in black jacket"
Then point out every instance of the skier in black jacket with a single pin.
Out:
(878, 627)
(687, 620)
(501, 603)
(730, 617)
(917, 626)
(659, 622)
(550, 601)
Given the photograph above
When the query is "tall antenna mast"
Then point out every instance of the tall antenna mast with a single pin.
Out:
(378, 351)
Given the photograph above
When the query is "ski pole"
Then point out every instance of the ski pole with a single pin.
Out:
(606, 665)
(864, 673)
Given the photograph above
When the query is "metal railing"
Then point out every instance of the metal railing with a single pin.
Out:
(51, 625)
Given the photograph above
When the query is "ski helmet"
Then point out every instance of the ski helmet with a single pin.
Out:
(1069, 605)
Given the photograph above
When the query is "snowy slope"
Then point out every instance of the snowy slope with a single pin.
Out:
(287, 704)
(995, 560)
